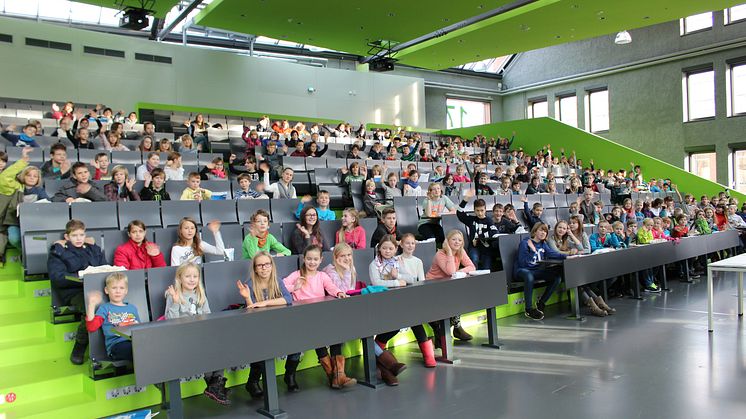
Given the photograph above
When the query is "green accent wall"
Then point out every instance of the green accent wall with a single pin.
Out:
(533, 134)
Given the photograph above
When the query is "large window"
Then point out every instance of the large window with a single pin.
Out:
(597, 110)
(538, 108)
(735, 14)
(696, 23)
(702, 165)
(567, 109)
(739, 170)
(466, 113)
(736, 89)
(699, 94)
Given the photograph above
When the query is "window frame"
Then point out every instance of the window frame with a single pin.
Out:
(558, 108)
(487, 106)
(535, 101)
(688, 162)
(686, 73)
(729, 86)
(727, 16)
(589, 109)
(682, 25)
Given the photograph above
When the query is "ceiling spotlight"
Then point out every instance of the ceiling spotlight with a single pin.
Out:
(622, 38)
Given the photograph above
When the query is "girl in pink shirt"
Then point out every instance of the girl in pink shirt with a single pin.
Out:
(450, 259)
(307, 283)
(351, 232)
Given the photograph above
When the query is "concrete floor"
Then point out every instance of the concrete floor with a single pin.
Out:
(653, 359)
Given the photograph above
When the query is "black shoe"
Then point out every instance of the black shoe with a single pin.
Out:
(254, 389)
(216, 391)
(540, 306)
(289, 378)
(461, 334)
(78, 354)
(535, 314)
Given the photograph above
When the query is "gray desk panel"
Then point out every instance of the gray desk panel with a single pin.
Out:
(226, 339)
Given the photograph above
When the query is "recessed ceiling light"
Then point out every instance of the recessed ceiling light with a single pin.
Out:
(646, 17)
(391, 14)
(558, 36)
(445, 19)
(575, 6)
(525, 28)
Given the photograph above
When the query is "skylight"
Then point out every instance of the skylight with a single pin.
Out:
(490, 65)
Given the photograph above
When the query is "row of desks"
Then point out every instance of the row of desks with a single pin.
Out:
(225, 339)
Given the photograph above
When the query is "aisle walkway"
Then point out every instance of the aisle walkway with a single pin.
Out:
(651, 360)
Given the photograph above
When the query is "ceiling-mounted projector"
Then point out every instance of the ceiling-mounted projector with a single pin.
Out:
(135, 19)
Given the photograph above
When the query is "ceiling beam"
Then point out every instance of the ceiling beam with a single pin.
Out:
(184, 13)
(448, 29)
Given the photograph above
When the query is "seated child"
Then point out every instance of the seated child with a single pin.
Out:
(79, 186)
(155, 188)
(193, 192)
(111, 314)
(482, 232)
(173, 169)
(25, 139)
(283, 188)
(101, 164)
(259, 238)
(66, 258)
(57, 167)
(153, 161)
(214, 170)
(246, 192)
(322, 206)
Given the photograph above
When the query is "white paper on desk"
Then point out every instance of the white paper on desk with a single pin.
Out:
(100, 269)
(479, 272)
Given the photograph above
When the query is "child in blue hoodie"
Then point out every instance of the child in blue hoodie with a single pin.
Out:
(25, 139)
(528, 269)
(600, 239)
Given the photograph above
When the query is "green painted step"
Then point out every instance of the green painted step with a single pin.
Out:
(67, 406)
(36, 381)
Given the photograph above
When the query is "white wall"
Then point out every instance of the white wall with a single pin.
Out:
(197, 77)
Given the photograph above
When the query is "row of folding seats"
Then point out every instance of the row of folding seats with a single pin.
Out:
(147, 288)
(39, 220)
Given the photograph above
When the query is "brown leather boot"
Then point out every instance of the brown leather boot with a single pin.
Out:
(339, 379)
(386, 375)
(595, 310)
(326, 364)
(603, 306)
(388, 361)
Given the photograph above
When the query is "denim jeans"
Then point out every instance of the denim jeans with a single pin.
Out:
(481, 257)
(529, 277)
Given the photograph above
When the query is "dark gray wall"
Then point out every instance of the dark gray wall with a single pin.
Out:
(644, 79)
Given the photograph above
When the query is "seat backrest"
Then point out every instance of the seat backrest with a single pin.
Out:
(175, 188)
(204, 158)
(126, 157)
(136, 295)
(406, 214)
(289, 264)
(159, 279)
(369, 224)
(220, 282)
(232, 235)
(218, 187)
(165, 238)
(173, 211)
(315, 163)
(451, 222)
(96, 215)
(508, 245)
(283, 210)
(223, 211)
(547, 200)
(247, 208)
(426, 253)
(329, 230)
(327, 176)
(149, 212)
(295, 163)
(287, 233)
(361, 258)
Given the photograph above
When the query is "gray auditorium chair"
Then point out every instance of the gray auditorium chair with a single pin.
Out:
(204, 158)
(329, 231)
(335, 162)
(503, 199)
(532, 199)
(327, 176)
(189, 159)
(86, 155)
(287, 232)
(361, 258)
(217, 187)
(36, 156)
(165, 239)
(508, 245)
(113, 238)
(126, 157)
(406, 214)
(426, 253)
(159, 279)
(451, 222)
(369, 225)
(221, 210)
(136, 295)
(298, 164)
(313, 163)
(175, 188)
(220, 283)
(96, 215)
(247, 208)
(288, 264)
(283, 210)
(547, 201)
(173, 211)
(36, 220)
(149, 212)
(232, 239)
(550, 216)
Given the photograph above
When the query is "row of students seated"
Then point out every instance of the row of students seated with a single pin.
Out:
(186, 297)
